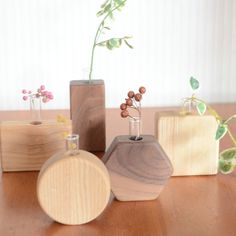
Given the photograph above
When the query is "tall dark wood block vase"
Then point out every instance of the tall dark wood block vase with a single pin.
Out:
(87, 107)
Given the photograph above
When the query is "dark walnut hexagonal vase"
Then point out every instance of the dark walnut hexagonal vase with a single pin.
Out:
(138, 169)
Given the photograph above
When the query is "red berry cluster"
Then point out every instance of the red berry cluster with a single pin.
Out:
(133, 101)
(41, 92)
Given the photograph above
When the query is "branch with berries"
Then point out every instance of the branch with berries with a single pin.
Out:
(132, 102)
(41, 92)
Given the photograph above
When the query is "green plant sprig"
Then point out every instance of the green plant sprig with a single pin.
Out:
(107, 9)
(227, 161)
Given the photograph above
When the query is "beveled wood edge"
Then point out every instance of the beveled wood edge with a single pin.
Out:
(6, 170)
(176, 113)
(27, 122)
(60, 157)
(87, 82)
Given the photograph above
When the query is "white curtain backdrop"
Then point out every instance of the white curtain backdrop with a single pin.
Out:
(49, 42)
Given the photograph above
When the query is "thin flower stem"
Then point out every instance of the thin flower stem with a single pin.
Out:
(211, 110)
(134, 107)
(232, 137)
(137, 109)
(230, 118)
(215, 114)
(131, 117)
(99, 30)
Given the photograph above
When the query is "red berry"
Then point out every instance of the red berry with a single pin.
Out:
(24, 91)
(123, 106)
(124, 113)
(142, 90)
(130, 94)
(129, 101)
(138, 97)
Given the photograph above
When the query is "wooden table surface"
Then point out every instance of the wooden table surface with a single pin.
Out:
(200, 205)
(203, 205)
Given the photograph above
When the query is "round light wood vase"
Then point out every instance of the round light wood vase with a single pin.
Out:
(73, 187)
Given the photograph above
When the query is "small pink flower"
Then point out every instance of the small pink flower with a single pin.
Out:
(45, 93)
(45, 99)
(25, 98)
(42, 87)
(50, 96)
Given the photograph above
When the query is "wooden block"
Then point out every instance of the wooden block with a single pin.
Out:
(87, 103)
(73, 189)
(25, 147)
(138, 169)
(189, 141)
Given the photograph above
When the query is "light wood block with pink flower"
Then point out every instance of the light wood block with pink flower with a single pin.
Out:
(189, 141)
(25, 147)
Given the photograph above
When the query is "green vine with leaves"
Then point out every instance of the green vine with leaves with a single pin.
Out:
(107, 11)
(227, 158)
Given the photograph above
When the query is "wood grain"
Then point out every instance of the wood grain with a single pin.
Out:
(196, 205)
(73, 189)
(87, 103)
(192, 205)
(189, 141)
(26, 147)
(121, 126)
(138, 169)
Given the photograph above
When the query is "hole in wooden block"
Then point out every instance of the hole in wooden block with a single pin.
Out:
(135, 138)
(36, 123)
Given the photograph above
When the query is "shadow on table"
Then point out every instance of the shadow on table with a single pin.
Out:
(119, 218)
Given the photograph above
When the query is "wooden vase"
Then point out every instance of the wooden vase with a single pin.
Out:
(25, 147)
(87, 105)
(189, 141)
(73, 189)
(138, 169)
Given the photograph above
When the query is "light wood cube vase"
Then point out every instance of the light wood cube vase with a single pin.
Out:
(189, 141)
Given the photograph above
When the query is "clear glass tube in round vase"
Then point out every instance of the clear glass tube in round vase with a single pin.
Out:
(35, 110)
(135, 128)
(72, 144)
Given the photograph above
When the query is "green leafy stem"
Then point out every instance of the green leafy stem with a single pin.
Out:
(107, 9)
(227, 161)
